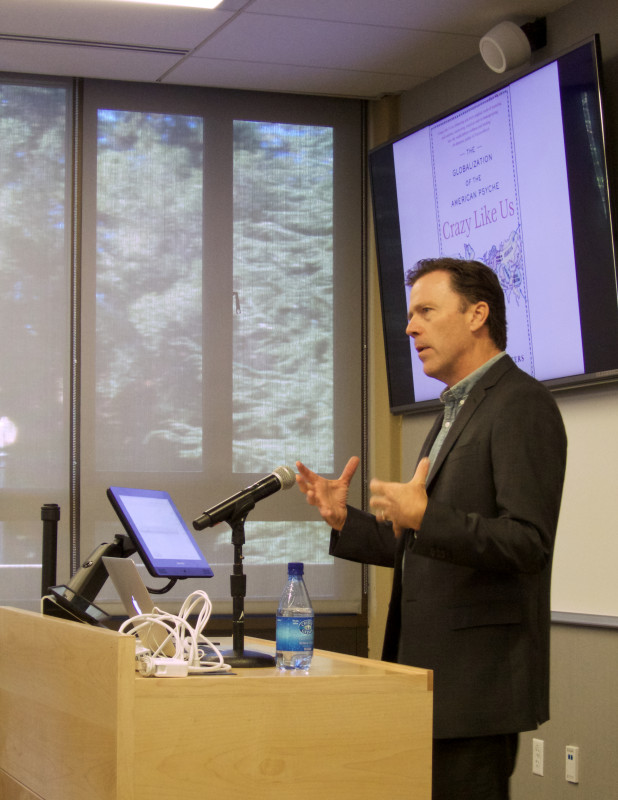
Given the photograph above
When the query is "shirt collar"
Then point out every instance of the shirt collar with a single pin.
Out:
(456, 394)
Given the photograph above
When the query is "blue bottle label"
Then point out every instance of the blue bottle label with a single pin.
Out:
(295, 634)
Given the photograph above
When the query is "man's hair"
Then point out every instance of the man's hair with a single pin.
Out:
(475, 282)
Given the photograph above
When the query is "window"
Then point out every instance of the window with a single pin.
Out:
(220, 279)
(34, 323)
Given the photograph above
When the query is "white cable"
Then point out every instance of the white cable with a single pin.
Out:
(188, 641)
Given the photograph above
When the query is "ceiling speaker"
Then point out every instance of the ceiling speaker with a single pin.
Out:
(505, 46)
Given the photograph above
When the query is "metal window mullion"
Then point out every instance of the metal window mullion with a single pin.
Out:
(364, 336)
(75, 334)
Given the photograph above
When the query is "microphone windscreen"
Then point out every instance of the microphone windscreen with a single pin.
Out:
(286, 476)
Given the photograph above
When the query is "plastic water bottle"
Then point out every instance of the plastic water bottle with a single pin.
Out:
(295, 622)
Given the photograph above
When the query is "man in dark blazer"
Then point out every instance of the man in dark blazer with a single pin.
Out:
(471, 536)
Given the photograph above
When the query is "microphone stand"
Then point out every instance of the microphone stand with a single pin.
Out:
(238, 656)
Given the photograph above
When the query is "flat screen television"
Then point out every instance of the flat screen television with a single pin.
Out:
(517, 179)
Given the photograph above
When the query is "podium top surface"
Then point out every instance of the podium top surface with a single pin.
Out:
(47, 636)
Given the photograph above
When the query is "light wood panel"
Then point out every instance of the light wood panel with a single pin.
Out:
(77, 721)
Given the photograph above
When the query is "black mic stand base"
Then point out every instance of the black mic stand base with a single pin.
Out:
(248, 658)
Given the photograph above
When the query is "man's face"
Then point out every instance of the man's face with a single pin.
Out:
(440, 322)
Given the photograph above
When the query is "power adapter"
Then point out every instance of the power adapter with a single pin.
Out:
(162, 667)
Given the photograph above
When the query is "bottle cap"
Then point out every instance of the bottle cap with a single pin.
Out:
(295, 568)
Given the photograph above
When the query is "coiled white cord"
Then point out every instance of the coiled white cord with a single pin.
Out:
(190, 644)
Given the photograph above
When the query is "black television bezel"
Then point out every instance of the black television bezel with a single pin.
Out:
(599, 249)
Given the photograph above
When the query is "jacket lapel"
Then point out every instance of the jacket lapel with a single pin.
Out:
(469, 408)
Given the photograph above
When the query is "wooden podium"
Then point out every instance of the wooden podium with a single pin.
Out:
(78, 723)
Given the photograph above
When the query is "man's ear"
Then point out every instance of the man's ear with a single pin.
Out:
(479, 314)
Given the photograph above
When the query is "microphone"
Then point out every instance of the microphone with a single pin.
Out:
(280, 478)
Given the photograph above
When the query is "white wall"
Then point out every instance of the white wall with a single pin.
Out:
(584, 659)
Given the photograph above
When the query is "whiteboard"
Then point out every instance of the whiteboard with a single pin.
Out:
(585, 573)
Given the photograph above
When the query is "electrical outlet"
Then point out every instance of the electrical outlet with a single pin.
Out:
(537, 756)
(572, 764)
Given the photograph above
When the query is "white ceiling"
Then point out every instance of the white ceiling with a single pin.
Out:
(352, 48)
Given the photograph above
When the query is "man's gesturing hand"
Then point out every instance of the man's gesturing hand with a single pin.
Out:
(403, 504)
(328, 496)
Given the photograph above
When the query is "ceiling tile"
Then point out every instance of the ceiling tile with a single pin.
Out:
(83, 62)
(473, 17)
(109, 21)
(288, 41)
(270, 77)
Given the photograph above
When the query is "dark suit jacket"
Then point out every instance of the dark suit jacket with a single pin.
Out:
(471, 588)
